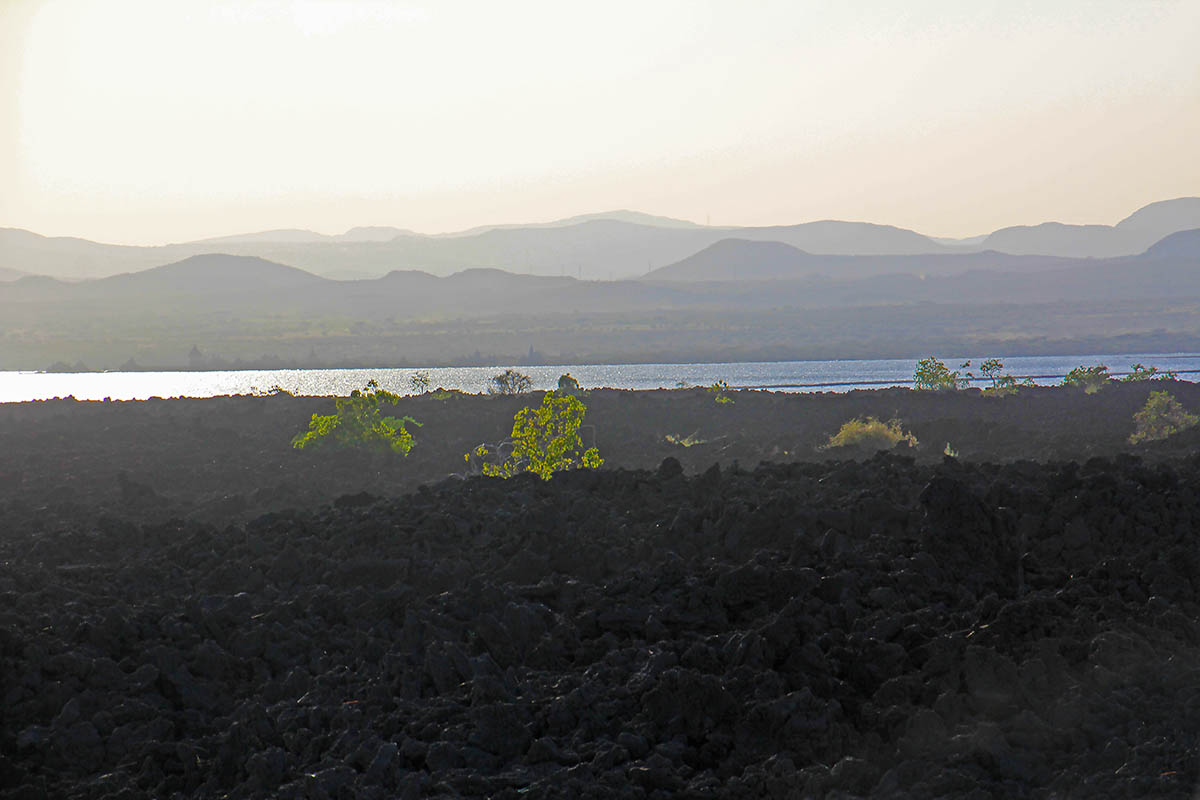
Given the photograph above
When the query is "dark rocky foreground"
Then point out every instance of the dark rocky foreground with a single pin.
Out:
(183, 612)
(859, 629)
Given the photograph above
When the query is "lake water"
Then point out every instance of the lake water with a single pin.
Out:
(788, 376)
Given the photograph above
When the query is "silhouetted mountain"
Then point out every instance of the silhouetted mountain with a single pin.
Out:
(734, 259)
(1055, 238)
(1130, 236)
(619, 244)
(730, 273)
(373, 233)
(597, 249)
(211, 274)
(739, 259)
(69, 257)
(1184, 244)
(249, 305)
(831, 237)
(1157, 220)
(281, 235)
(621, 215)
(294, 236)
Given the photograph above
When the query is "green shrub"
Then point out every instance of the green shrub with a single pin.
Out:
(1090, 379)
(1140, 372)
(1162, 416)
(510, 382)
(544, 440)
(933, 375)
(719, 388)
(1002, 383)
(359, 422)
(869, 433)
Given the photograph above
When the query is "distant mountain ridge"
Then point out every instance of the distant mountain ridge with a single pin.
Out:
(611, 245)
(295, 236)
(595, 249)
(746, 260)
(251, 307)
(1130, 236)
(1182, 244)
(733, 272)
(210, 274)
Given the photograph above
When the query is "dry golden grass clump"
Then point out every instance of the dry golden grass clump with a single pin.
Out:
(869, 433)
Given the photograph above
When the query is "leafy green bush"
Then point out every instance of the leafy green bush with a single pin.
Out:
(1140, 372)
(360, 423)
(933, 375)
(1162, 416)
(544, 440)
(869, 433)
(1090, 379)
(509, 382)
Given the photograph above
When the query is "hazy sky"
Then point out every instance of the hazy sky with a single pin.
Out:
(145, 121)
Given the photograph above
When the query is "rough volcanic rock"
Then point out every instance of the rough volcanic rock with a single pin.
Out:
(879, 628)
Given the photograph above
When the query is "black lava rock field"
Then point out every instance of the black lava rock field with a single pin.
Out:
(182, 617)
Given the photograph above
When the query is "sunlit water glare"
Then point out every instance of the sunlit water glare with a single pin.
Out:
(789, 376)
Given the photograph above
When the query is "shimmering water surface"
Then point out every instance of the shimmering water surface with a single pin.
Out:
(789, 376)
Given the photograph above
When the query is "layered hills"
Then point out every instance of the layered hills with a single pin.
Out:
(597, 248)
(817, 290)
(606, 246)
(1131, 235)
(732, 273)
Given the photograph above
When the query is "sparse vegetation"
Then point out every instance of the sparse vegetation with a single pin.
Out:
(544, 440)
(1140, 372)
(567, 384)
(869, 433)
(359, 423)
(932, 374)
(684, 441)
(419, 382)
(510, 382)
(1162, 416)
(1090, 379)
(274, 391)
(720, 389)
(1002, 383)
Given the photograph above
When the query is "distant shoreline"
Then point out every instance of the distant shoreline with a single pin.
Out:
(665, 359)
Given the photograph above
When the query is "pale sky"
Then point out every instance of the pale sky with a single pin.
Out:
(149, 121)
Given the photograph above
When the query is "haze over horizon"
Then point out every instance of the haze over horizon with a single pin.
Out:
(138, 122)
